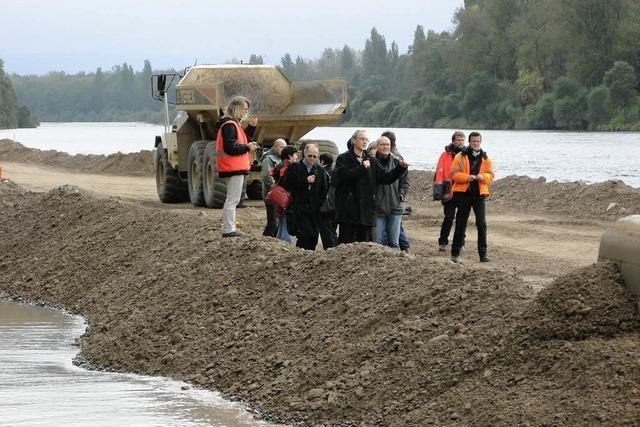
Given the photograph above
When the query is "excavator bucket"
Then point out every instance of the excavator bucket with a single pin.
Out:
(621, 243)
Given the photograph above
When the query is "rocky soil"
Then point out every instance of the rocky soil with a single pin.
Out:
(136, 164)
(353, 336)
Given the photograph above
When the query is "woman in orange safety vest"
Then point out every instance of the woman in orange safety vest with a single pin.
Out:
(233, 159)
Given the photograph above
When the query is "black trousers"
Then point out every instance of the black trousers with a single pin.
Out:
(350, 233)
(465, 202)
(328, 228)
(308, 231)
(271, 229)
(447, 223)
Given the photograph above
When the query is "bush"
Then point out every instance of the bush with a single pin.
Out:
(621, 82)
(540, 115)
(598, 111)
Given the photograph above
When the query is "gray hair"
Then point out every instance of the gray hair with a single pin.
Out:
(235, 106)
(356, 133)
(306, 148)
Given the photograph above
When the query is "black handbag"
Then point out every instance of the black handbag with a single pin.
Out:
(442, 191)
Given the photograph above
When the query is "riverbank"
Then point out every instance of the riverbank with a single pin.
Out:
(355, 335)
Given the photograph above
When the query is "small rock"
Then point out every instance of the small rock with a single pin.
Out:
(455, 416)
(315, 393)
(359, 392)
(611, 206)
(439, 338)
(332, 398)
(487, 373)
(185, 387)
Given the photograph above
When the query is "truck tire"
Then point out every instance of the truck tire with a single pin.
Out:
(214, 187)
(171, 188)
(254, 190)
(324, 146)
(195, 176)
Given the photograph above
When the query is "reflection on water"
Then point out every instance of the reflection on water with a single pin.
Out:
(39, 386)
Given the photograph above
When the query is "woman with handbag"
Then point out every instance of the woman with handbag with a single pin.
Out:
(286, 155)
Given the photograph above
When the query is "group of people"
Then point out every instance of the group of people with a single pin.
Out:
(337, 204)
(360, 198)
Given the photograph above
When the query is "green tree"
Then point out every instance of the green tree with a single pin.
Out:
(287, 65)
(540, 115)
(593, 28)
(598, 111)
(375, 60)
(621, 82)
(481, 91)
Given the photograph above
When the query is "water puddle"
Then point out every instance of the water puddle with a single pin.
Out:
(39, 386)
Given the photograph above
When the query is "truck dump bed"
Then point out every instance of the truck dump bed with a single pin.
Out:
(285, 109)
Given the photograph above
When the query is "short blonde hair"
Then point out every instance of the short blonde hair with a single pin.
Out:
(234, 109)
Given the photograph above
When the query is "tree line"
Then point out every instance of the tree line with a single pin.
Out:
(12, 114)
(506, 64)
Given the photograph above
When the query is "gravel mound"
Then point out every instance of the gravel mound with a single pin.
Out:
(133, 164)
(353, 336)
(607, 200)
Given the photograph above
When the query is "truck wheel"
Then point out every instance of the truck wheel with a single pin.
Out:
(254, 190)
(324, 146)
(214, 188)
(171, 188)
(195, 176)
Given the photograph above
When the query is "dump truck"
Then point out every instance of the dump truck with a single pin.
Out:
(184, 157)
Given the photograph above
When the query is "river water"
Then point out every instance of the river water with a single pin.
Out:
(39, 385)
(564, 156)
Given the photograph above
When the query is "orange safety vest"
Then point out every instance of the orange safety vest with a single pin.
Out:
(460, 171)
(232, 162)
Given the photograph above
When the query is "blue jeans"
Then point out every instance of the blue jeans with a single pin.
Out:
(283, 232)
(388, 231)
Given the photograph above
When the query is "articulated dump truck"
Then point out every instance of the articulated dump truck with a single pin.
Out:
(184, 159)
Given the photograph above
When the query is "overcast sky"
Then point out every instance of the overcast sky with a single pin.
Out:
(37, 36)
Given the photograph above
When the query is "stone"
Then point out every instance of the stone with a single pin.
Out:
(315, 393)
(439, 338)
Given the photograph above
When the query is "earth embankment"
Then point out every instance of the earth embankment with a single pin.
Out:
(131, 164)
(352, 336)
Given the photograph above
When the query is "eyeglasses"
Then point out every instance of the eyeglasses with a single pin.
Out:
(312, 156)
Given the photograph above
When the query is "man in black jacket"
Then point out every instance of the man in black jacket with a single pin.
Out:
(308, 185)
(355, 177)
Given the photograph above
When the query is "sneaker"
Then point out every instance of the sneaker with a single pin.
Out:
(455, 259)
(236, 233)
(442, 248)
(484, 258)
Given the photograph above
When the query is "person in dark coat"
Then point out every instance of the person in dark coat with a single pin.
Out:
(308, 185)
(328, 226)
(389, 199)
(355, 177)
(403, 240)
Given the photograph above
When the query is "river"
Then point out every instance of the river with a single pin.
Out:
(564, 156)
(39, 385)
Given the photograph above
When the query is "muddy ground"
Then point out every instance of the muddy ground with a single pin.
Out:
(353, 336)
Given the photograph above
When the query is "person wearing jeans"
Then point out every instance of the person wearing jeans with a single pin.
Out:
(233, 160)
(388, 210)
